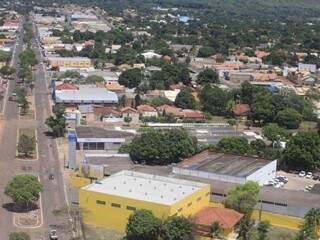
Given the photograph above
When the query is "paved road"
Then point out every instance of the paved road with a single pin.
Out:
(53, 196)
(8, 126)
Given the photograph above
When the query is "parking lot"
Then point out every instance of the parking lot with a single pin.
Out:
(295, 182)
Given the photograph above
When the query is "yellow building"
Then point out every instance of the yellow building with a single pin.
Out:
(109, 202)
(69, 62)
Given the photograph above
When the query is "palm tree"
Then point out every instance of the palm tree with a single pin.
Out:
(312, 219)
(216, 232)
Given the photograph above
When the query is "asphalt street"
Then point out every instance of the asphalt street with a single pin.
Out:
(53, 195)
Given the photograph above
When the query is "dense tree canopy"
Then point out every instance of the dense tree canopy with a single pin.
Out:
(24, 189)
(214, 100)
(243, 198)
(288, 118)
(161, 147)
(303, 151)
(131, 78)
(208, 76)
(143, 225)
(235, 145)
(274, 132)
(185, 99)
(177, 228)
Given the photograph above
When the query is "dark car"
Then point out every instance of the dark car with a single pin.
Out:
(51, 177)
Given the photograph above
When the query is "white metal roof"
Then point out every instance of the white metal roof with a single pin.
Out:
(146, 187)
(86, 95)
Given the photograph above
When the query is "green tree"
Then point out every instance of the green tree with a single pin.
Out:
(273, 132)
(258, 147)
(185, 99)
(312, 218)
(205, 52)
(163, 146)
(214, 100)
(310, 228)
(303, 151)
(245, 230)
(143, 225)
(159, 101)
(185, 76)
(177, 228)
(26, 145)
(19, 236)
(28, 57)
(70, 74)
(288, 118)
(234, 145)
(7, 71)
(57, 123)
(263, 229)
(216, 231)
(93, 79)
(243, 198)
(24, 189)
(131, 78)
(263, 109)
(208, 76)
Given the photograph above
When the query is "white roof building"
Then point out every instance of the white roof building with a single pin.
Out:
(86, 94)
(146, 187)
(150, 55)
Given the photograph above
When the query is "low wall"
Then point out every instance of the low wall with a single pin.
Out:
(277, 220)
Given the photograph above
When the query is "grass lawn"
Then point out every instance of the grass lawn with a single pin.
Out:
(307, 126)
(30, 132)
(96, 233)
(276, 233)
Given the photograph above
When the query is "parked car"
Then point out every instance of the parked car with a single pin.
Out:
(53, 235)
(269, 183)
(316, 177)
(302, 174)
(308, 187)
(283, 179)
(277, 185)
(309, 175)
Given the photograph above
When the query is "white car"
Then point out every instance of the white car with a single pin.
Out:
(277, 185)
(269, 183)
(309, 175)
(308, 188)
(302, 174)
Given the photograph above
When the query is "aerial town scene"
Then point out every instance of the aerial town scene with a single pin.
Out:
(160, 120)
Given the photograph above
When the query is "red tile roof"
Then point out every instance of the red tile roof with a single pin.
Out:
(169, 109)
(227, 218)
(241, 109)
(128, 110)
(192, 114)
(145, 108)
(66, 86)
(102, 111)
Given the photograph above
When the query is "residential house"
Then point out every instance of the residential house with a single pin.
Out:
(228, 219)
(115, 87)
(169, 110)
(147, 111)
(132, 113)
(107, 114)
(192, 115)
(241, 111)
